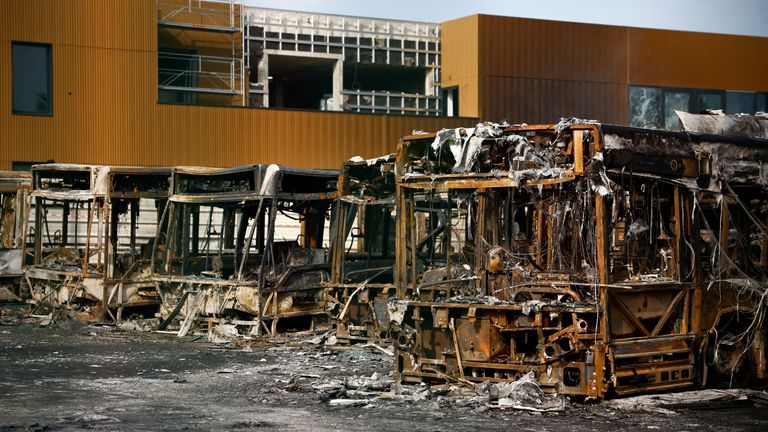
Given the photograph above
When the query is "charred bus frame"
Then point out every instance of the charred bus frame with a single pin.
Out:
(14, 210)
(575, 251)
(92, 270)
(363, 250)
(233, 266)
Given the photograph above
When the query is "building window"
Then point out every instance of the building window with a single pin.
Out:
(675, 101)
(449, 102)
(645, 106)
(737, 102)
(656, 106)
(32, 83)
(761, 102)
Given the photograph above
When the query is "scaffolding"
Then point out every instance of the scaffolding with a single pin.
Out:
(407, 44)
(211, 15)
(190, 73)
(206, 74)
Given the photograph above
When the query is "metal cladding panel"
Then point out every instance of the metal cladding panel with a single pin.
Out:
(699, 60)
(104, 66)
(459, 61)
(537, 71)
(542, 101)
(138, 131)
(530, 48)
(102, 100)
(96, 23)
(209, 136)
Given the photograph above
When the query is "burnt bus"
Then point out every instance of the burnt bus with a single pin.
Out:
(245, 246)
(93, 230)
(363, 251)
(608, 260)
(14, 209)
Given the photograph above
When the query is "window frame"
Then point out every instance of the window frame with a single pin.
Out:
(693, 94)
(49, 52)
(443, 96)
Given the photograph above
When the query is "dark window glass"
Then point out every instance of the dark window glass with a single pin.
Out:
(675, 101)
(713, 101)
(645, 106)
(32, 78)
(740, 102)
(761, 102)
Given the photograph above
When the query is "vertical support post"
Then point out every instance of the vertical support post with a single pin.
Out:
(551, 223)
(110, 251)
(87, 254)
(539, 218)
(185, 237)
(697, 293)
(449, 243)
(38, 230)
(65, 223)
(170, 246)
(601, 231)
(578, 152)
(134, 210)
(679, 233)
(22, 217)
(100, 215)
(401, 250)
(195, 245)
(266, 260)
(161, 228)
(725, 233)
(410, 213)
(480, 220)
(337, 243)
(260, 234)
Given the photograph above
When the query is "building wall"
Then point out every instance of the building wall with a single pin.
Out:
(459, 61)
(105, 108)
(536, 71)
(698, 60)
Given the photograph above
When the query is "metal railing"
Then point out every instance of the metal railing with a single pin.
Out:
(201, 74)
(385, 102)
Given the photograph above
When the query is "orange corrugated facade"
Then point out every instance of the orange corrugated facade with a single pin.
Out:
(105, 78)
(105, 108)
(698, 60)
(536, 71)
(460, 61)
